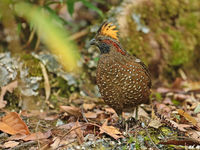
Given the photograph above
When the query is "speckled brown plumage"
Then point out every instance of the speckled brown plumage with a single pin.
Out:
(123, 80)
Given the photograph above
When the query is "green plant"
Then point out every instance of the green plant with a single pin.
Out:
(70, 6)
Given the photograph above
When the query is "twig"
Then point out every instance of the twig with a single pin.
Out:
(82, 112)
(36, 129)
(77, 128)
(30, 38)
(24, 144)
(37, 43)
(79, 34)
(46, 86)
(46, 82)
(154, 145)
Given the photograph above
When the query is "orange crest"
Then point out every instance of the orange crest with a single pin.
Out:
(107, 29)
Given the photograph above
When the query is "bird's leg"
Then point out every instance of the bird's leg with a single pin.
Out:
(136, 113)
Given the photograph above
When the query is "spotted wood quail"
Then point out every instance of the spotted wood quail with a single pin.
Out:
(123, 80)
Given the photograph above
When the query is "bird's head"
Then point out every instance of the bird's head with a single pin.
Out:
(106, 39)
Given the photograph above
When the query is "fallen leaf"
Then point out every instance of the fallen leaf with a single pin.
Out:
(56, 143)
(10, 87)
(90, 115)
(99, 111)
(187, 117)
(37, 136)
(110, 110)
(191, 85)
(88, 106)
(74, 111)
(177, 83)
(79, 132)
(163, 109)
(52, 117)
(194, 134)
(10, 144)
(181, 97)
(181, 127)
(167, 101)
(7, 129)
(110, 130)
(155, 123)
(142, 112)
(163, 90)
(13, 124)
(185, 141)
(42, 115)
(17, 137)
(197, 109)
(67, 126)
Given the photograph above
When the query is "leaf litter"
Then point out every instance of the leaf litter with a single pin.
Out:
(86, 123)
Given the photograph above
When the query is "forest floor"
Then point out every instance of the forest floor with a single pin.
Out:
(171, 121)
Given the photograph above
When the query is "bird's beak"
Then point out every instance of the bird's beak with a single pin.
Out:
(93, 42)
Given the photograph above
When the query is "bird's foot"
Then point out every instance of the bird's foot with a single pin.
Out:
(126, 124)
(121, 123)
(131, 122)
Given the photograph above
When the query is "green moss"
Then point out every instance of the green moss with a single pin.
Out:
(180, 52)
(158, 96)
(32, 64)
(165, 131)
(140, 48)
(176, 102)
(174, 25)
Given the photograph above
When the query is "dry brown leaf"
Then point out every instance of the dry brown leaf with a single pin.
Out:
(191, 85)
(99, 111)
(110, 110)
(89, 106)
(37, 136)
(56, 143)
(181, 127)
(110, 130)
(10, 144)
(67, 126)
(181, 97)
(155, 123)
(185, 141)
(10, 87)
(194, 134)
(177, 83)
(197, 108)
(187, 117)
(142, 112)
(17, 137)
(78, 132)
(74, 111)
(13, 124)
(163, 90)
(90, 115)
(7, 129)
(163, 109)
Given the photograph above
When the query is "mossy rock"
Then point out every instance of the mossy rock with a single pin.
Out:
(173, 40)
(32, 64)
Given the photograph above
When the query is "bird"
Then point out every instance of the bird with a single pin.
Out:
(123, 80)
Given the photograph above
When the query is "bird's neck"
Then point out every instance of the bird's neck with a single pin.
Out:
(113, 45)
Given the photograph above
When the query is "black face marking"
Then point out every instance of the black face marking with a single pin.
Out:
(104, 48)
